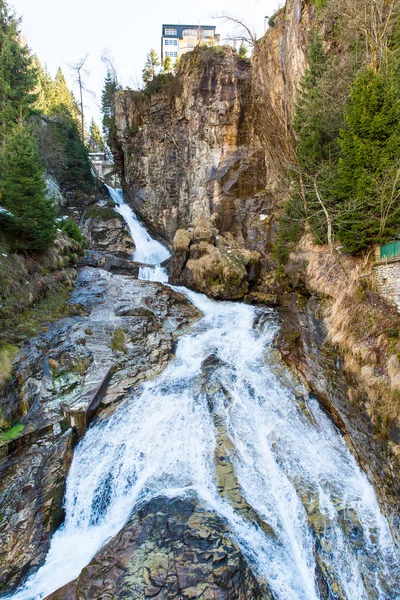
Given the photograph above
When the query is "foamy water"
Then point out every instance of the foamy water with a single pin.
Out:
(293, 466)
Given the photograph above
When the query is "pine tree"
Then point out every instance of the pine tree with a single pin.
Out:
(17, 73)
(167, 64)
(368, 182)
(150, 66)
(95, 139)
(242, 51)
(64, 101)
(45, 88)
(23, 191)
(110, 89)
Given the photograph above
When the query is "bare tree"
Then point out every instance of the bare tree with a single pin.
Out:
(243, 33)
(79, 72)
(373, 19)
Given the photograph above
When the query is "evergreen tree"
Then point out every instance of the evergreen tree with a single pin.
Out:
(110, 89)
(167, 64)
(368, 183)
(64, 102)
(45, 88)
(17, 73)
(95, 139)
(242, 51)
(150, 66)
(23, 191)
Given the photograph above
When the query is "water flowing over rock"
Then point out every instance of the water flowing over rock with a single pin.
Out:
(220, 477)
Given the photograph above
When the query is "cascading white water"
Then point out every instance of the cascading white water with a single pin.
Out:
(293, 467)
(148, 251)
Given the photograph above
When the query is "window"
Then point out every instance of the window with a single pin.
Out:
(208, 32)
(171, 42)
(190, 32)
(170, 31)
(172, 54)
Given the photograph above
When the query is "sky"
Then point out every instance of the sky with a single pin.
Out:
(62, 32)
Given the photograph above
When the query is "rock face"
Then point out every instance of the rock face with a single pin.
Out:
(187, 157)
(170, 549)
(106, 231)
(213, 146)
(212, 264)
(31, 491)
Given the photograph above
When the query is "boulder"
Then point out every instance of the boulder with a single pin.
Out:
(170, 549)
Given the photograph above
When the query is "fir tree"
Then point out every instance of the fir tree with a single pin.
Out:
(45, 88)
(150, 66)
(110, 89)
(167, 64)
(368, 183)
(17, 73)
(64, 102)
(242, 51)
(95, 139)
(23, 191)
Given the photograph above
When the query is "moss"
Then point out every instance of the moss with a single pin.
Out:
(53, 306)
(104, 213)
(12, 434)
(118, 340)
(7, 354)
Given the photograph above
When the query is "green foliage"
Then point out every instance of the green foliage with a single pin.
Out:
(12, 434)
(168, 64)
(272, 21)
(71, 228)
(104, 213)
(368, 185)
(319, 3)
(110, 89)
(243, 51)
(71, 168)
(17, 74)
(159, 82)
(59, 134)
(289, 231)
(95, 141)
(150, 66)
(23, 191)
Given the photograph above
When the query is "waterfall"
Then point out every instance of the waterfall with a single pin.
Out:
(292, 465)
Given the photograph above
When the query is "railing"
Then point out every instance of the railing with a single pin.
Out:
(391, 250)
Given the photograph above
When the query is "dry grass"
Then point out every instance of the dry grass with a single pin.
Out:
(363, 326)
(7, 355)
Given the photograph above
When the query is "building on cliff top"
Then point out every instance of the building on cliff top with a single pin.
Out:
(179, 39)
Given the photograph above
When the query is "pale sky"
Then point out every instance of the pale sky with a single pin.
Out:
(61, 32)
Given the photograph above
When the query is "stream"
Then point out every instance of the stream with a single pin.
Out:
(293, 466)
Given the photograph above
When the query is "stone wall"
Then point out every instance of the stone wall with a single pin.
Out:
(388, 280)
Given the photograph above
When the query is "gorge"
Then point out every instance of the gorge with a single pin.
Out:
(245, 441)
(225, 433)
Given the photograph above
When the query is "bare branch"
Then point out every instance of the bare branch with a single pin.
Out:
(245, 35)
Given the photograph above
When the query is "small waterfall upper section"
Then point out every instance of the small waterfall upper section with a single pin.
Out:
(148, 251)
(293, 467)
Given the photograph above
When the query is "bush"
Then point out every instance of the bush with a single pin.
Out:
(71, 228)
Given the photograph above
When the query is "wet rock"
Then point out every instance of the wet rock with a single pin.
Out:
(32, 483)
(63, 366)
(213, 265)
(169, 549)
(105, 230)
(109, 262)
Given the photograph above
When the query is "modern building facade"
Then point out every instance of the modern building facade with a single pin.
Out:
(179, 39)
